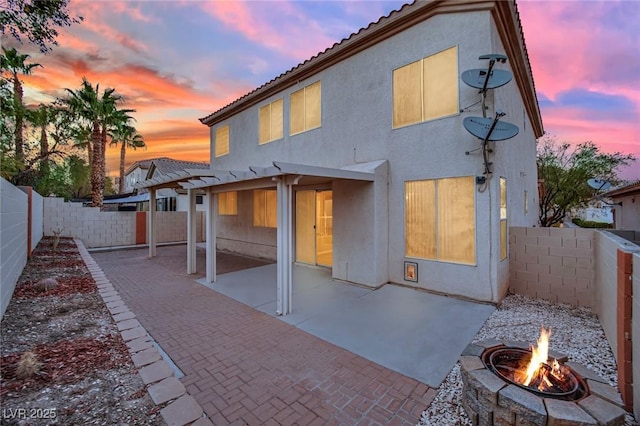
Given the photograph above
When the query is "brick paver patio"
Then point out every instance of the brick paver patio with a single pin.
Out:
(245, 367)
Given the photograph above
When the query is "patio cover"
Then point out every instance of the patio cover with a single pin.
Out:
(139, 198)
(281, 175)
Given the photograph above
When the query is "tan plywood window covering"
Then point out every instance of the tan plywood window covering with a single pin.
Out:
(440, 84)
(426, 89)
(228, 203)
(270, 119)
(440, 219)
(456, 220)
(503, 219)
(306, 109)
(312, 105)
(222, 141)
(420, 216)
(296, 119)
(407, 94)
(265, 208)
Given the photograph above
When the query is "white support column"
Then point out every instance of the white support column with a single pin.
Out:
(151, 223)
(284, 293)
(212, 213)
(191, 232)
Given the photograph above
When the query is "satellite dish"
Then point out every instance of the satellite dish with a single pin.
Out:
(476, 78)
(481, 128)
(599, 184)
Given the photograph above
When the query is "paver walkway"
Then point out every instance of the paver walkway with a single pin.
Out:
(245, 367)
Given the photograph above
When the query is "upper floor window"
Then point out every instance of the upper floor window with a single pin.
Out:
(426, 89)
(222, 141)
(270, 119)
(228, 203)
(306, 109)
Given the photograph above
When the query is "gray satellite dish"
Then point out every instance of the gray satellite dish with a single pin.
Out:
(476, 78)
(599, 184)
(481, 128)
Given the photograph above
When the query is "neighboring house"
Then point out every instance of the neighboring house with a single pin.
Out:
(167, 199)
(137, 172)
(174, 200)
(626, 209)
(355, 159)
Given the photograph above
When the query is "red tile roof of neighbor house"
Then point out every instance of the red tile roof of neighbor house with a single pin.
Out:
(624, 191)
(506, 17)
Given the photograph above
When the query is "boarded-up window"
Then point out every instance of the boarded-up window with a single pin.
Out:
(271, 122)
(426, 89)
(222, 141)
(306, 109)
(265, 213)
(503, 219)
(228, 203)
(440, 219)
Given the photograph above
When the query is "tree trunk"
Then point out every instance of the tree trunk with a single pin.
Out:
(44, 152)
(122, 155)
(17, 104)
(97, 169)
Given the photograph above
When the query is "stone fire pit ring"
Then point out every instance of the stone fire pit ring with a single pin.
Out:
(489, 400)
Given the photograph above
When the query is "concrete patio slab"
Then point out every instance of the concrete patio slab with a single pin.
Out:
(413, 332)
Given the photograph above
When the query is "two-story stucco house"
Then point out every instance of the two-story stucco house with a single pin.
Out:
(356, 160)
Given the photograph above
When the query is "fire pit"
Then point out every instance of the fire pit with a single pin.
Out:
(508, 383)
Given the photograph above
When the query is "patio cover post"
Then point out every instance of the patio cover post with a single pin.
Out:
(191, 232)
(151, 223)
(284, 301)
(212, 211)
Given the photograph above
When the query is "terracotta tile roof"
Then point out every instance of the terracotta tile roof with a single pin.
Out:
(387, 26)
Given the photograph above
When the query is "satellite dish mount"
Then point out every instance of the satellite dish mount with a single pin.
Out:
(601, 185)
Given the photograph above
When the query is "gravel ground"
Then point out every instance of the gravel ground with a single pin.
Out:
(575, 332)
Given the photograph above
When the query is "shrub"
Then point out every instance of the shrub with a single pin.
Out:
(591, 224)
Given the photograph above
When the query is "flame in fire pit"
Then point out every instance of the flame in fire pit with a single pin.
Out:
(538, 373)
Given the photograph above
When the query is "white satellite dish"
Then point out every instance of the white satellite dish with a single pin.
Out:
(476, 78)
(490, 129)
(599, 184)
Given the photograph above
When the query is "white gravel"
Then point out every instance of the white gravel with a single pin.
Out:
(575, 332)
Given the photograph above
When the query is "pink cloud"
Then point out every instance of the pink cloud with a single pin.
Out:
(266, 23)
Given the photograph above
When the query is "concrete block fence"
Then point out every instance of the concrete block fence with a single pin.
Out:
(591, 268)
(14, 236)
(111, 229)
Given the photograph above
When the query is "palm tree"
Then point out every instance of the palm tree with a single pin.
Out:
(14, 63)
(127, 136)
(97, 110)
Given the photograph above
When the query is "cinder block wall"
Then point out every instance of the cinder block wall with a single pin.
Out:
(554, 264)
(172, 226)
(112, 229)
(37, 218)
(13, 239)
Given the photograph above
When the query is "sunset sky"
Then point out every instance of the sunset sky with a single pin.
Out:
(177, 61)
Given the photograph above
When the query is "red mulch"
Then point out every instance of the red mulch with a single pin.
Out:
(66, 285)
(64, 362)
(55, 263)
